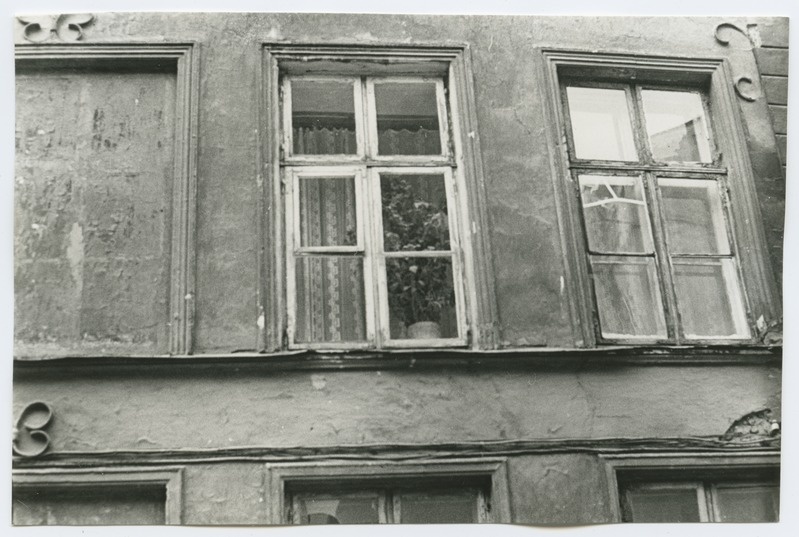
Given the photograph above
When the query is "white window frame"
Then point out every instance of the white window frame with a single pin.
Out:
(366, 166)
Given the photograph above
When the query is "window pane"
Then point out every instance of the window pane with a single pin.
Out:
(344, 508)
(83, 506)
(694, 220)
(414, 213)
(748, 503)
(663, 505)
(615, 213)
(628, 298)
(601, 124)
(407, 118)
(421, 298)
(709, 299)
(323, 117)
(676, 124)
(455, 507)
(330, 299)
(327, 211)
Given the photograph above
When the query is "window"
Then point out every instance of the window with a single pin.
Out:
(378, 492)
(103, 496)
(395, 505)
(660, 226)
(711, 487)
(373, 254)
(701, 501)
(652, 191)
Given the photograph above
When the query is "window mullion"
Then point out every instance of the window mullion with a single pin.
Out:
(707, 505)
(662, 258)
(394, 507)
(370, 117)
(639, 124)
(378, 291)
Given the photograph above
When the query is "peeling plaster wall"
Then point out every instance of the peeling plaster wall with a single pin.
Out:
(93, 187)
(92, 257)
(185, 409)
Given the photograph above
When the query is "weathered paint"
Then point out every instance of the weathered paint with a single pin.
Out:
(510, 112)
(139, 410)
(80, 271)
(94, 165)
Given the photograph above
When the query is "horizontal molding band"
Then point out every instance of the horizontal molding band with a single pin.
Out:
(403, 451)
(466, 359)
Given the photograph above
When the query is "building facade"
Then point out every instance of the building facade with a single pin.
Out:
(283, 268)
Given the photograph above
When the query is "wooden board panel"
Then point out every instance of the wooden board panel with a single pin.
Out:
(776, 89)
(772, 61)
(94, 170)
(779, 118)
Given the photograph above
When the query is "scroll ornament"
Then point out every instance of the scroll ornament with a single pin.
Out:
(40, 28)
(29, 437)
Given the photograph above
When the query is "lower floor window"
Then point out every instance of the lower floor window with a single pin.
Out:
(392, 505)
(701, 501)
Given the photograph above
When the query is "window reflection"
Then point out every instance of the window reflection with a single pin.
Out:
(676, 125)
(323, 117)
(601, 124)
(407, 118)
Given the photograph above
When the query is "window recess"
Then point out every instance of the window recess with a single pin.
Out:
(722, 500)
(389, 505)
(373, 255)
(654, 211)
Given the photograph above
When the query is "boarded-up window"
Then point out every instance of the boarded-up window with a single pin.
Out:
(94, 170)
(88, 505)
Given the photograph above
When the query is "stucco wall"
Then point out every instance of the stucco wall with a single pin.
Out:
(524, 235)
(190, 408)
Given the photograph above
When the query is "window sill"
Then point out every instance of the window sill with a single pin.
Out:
(463, 359)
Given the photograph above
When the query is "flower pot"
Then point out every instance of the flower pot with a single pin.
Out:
(424, 330)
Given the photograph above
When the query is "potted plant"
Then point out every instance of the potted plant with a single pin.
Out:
(420, 288)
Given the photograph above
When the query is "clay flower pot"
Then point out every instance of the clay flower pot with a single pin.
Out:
(424, 330)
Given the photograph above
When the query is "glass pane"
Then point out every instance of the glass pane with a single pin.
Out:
(709, 299)
(753, 503)
(663, 505)
(345, 508)
(676, 124)
(407, 118)
(601, 124)
(615, 213)
(414, 213)
(455, 507)
(628, 298)
(327, 211)
(421, 299)
(330, 299)
(694, 220)
(323, 117)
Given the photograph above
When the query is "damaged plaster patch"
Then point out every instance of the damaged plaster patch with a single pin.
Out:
(274, 33)
(318, 382)
(75, 255)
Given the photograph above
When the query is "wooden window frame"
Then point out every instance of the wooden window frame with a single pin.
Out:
(389, 498)
(711, 77)
(171, 478)
(281, 477)
(474, 293)
(183, 60)
(667, 469)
